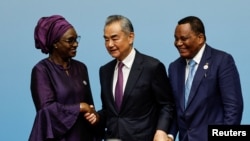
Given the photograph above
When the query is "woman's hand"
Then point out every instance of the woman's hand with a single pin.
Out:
(86, 108)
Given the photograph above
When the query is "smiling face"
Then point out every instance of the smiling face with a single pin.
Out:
(117, 42)
(187, 42)
(67, 45)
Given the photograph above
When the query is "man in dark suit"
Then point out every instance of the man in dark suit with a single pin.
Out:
(146, 107)
(215, 95)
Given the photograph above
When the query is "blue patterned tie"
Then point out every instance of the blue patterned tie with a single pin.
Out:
(191, 65)
(119, 87)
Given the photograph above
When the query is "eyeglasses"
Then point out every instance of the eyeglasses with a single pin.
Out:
(72, 40)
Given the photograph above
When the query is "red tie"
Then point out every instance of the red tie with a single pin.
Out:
(119, 87)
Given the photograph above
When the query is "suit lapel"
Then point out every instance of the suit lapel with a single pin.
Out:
(200, 73)
(181, 72)
(177, 71)
(134, 75)
(109, 81)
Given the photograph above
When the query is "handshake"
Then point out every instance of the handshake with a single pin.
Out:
(89, 113)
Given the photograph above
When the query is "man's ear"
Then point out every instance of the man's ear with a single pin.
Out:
(201, 38)
(131, 37)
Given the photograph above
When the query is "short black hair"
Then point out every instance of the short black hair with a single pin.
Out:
(196, 24)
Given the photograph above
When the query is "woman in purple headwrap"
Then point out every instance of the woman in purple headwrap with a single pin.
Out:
(60, 86)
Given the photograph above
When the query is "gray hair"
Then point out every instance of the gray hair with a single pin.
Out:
(126, 24)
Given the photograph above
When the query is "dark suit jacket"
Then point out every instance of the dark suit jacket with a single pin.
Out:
(147, 103)
(215, 96)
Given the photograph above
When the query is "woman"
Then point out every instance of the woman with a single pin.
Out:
(60, 86)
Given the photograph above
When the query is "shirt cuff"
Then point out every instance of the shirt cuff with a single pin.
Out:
(171, 136)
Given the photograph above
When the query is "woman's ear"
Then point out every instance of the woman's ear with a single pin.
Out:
(55, 46)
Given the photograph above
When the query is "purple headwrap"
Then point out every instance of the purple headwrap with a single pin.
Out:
(49, 30)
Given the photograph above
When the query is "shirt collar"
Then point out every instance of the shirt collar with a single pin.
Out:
(128, 61)
(197, 57)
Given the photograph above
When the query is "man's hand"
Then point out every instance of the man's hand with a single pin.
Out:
(161, 136)
(92, 116)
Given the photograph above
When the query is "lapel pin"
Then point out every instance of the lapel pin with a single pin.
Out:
(205, 67)
(84, 82)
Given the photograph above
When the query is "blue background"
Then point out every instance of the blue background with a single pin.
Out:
(226, 22)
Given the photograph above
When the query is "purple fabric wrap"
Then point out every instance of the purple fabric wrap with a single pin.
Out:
(49, 30)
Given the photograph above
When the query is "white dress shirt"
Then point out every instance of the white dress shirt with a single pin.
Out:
(128, 61)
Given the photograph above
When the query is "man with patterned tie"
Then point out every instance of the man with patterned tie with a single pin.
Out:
(146, 106)
(213, 96)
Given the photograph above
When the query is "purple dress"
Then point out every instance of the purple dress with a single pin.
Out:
(57, 97)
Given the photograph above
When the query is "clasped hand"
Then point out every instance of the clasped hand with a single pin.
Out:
(89, 113)
(161, 136)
